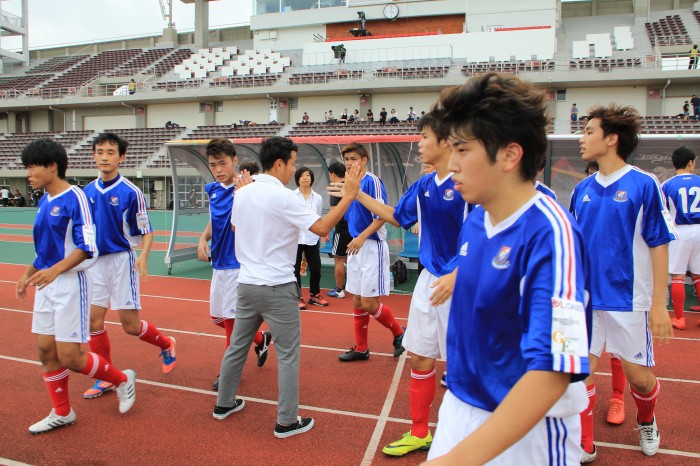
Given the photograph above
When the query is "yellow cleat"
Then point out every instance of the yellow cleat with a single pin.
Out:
(407, 444)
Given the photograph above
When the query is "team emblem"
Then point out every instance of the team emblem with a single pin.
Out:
(55, 211)
(114, 200)
(621, 196)
(501, 260)
(449, 195)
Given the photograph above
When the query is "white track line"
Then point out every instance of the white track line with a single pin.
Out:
(8, 462)
(664, 451)
(371, 450)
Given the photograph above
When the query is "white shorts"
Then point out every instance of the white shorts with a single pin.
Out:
(426, 332)
(62, 308)
(223, 294)
(368, 270)
(684, 253)
(553, 440)
(624, 334)
(116, 283)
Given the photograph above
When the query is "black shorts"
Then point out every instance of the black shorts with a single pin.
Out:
(340, 244)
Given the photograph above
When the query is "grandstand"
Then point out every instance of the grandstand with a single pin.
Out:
(272, 71)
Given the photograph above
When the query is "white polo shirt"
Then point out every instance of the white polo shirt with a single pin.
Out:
(268, 217)
(313, 204)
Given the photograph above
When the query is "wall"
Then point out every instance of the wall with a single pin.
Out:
(39, 121)
(316, 107)
(108, 122)
(448, 24)
(256, 110)
(185, 114)
(287, 38)
(586, 98)
(420, 101)
(484, 13)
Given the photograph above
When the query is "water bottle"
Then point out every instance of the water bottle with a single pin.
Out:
(391, 281)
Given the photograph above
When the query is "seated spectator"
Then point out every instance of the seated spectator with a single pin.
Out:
(330, 119)
(18, 200)
(394, 117)
(344, 117)
(421, 115)
(305, 119)
(356, 118)
(370, 116)
(169, 124)
(382, 116)
(411, 115)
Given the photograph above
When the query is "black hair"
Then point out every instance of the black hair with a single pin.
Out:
(252, 167)
(337, 169)
(44, 152)
(429, 121)
(300, 171)
(623, 121)
(121, 144)
(276, 148)
(682, 157)
(220, 148)
(591, 168)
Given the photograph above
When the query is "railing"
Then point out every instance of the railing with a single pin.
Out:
(676, 39)
(12, 19)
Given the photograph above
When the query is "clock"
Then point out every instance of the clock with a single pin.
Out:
(391, 11)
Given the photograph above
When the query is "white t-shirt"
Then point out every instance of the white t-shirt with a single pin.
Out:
(268, 217)
(313, 204)
(4, 193)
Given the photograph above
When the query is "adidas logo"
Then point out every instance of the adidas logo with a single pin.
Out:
(74, 335)
(638, 356)
(427, 194)
(106, 367)
(586, 198)
(59, 390)
(128, 303)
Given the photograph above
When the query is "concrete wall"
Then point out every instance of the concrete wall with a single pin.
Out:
(484, 13)
(256, 110)
(39, 121)
(316, 107)
(185, 114)
(586, 98)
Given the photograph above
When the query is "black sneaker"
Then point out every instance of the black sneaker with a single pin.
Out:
(215, 385)
(353, 355)
(304, 424)
(443, 380)
(398, 349)
(261, 349)
(221, 412)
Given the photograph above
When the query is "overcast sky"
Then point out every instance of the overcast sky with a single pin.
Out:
(53, 22)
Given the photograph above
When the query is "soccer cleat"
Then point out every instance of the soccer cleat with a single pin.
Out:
(398, 349)
(695, 308)
(443, 379)
(302, 304)
(222, 413)
(99, 389)
(616, 411)
(261, 349)
(588, 457)
(407, 444)
(649, 437)
(317, 300)
(169, 358)
(215, 385)
(353, 355)
(303, 425)
(336, 293)
(126, 392)
(678, 323)
(52, 421)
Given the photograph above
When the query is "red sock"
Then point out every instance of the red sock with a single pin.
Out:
(587, 421)
(361, 321)
(258, 337)
(646, 403)
(618, 379)
(386, 318)
(421, 396)
(99, 343)
(57, 385)
(152, 335)
(678, 297)
(98, 368)
(228, 326)
(218, 321)
(696, 284)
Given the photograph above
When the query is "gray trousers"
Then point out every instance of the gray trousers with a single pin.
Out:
(279, 307)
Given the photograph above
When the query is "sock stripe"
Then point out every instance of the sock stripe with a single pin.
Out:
(679, 282)
(360, 315)
(61, 375)
(417, 376)
(144, 328)
(379, 311)
(696, 281)
(99, 332)
(591, 392)
(650, 396)
(95, 363)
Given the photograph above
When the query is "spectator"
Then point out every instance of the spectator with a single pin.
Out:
(355, 117)
(193, 198)
(394, 117)
(370, 116)
(169, 124)
(574, 113)
(343, 51)
(344, 117)
(18, 200)
(695, 103)
(411, 115)
(382, 116)
(693, 65)
(305, 119)
(686, 111)
(330, 119)
(4, 196)
(132, 87)
(422, 114)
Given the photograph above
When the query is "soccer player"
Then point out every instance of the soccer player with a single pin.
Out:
(223, 292)
(543, 188)
(64, 242)
(682, 194)
(517, 338)
(433, 200)
(622, 215)
(341, 235)
(121, 218)
(267, 288)
(368, 261)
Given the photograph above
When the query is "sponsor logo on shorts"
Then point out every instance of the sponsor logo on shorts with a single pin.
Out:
(449, 194)
(501, 260)
(55, 211)
(114, 200)
(128, 303)
(74, 335)
(621, 196)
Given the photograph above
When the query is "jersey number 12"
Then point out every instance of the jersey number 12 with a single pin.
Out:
(695, 192)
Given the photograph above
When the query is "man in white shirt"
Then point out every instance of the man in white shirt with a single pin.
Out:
(267, 217)
(4, 196)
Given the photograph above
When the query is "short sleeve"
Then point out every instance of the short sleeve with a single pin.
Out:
(295, 210)
(83, 232)
(657, 224)
(137, 216)
(406, 211)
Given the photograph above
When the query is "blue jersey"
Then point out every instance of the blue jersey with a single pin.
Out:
(546, 190)
(621, 216)
(63, 224)
(223, 252)
(358, 217)
(120, 214)
(441, 212)
(682, 194)
(519, 303)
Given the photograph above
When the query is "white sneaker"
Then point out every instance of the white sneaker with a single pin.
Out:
(52, 421)
(126, 392)
(589, 457)
(649, 437)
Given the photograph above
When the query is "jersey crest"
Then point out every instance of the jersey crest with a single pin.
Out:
(501, 261)
(621, 196)
(449, 194)
(55, 211)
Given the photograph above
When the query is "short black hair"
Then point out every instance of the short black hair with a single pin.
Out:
(44, 152)
(682, 157)
(429, 121)
(121, 144)
(275, 148)
(220, 148)
(337, 169)
(300, 171)
(252, 167)
(624, 121)
(591, 168)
